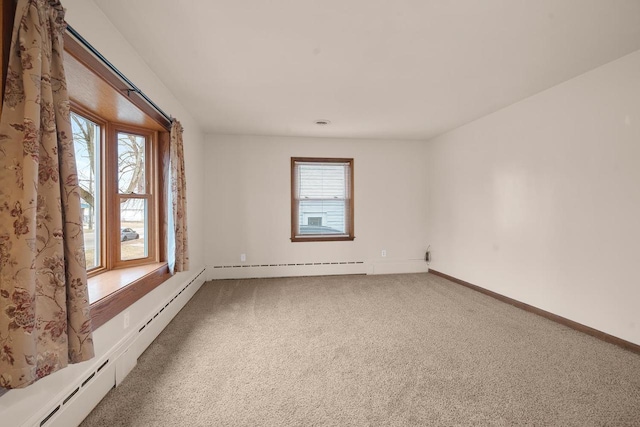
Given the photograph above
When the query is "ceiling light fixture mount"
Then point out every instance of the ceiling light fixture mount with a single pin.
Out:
(322, 122)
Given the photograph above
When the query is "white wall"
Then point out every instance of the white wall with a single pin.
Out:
(249, 210)
(16, 406)
(541, 201)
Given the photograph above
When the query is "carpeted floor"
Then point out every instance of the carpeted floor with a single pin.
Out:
(394, 350)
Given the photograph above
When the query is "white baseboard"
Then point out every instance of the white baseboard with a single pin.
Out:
(400, 267)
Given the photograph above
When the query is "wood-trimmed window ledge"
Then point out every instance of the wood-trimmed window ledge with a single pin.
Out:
(113, 291)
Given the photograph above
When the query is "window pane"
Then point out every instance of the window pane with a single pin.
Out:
(322, 180)
(133, 229)
(131, 163)
(322, 217)
(86, 140)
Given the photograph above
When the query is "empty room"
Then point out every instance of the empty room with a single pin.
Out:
(320, 213)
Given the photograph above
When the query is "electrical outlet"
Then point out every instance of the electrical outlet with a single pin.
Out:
(127, 319)
(243, 257)
(384, 253)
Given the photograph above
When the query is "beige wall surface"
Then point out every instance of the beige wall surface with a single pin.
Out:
(541, 201)
(248, 203)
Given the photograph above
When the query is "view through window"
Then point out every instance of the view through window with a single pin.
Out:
(133, 195)
(86, 139)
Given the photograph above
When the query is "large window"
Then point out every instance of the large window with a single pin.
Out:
(321, 199)
(117, 184)
(122, 150)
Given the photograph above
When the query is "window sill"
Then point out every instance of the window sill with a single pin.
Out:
(315, 238)
(113, 291)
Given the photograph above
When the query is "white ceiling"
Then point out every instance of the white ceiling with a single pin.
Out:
(375, 68)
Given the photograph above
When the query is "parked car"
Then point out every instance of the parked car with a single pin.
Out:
(128, 234)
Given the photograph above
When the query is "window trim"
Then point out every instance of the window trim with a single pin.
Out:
(76, 49)
(295, 206)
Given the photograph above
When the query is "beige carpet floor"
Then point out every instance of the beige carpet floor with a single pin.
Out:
(393, 350)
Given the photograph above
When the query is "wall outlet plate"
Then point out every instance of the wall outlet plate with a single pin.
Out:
(243, 257)
(384, 253)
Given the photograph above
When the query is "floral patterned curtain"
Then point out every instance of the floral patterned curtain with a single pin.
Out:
(44, 307)
(178, 247)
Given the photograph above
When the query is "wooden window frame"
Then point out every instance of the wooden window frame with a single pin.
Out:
(114, 195)
(295, 205)
(130, 281)
(110, 256)
(127, 282)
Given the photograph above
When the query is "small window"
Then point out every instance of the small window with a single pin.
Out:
(321, 199)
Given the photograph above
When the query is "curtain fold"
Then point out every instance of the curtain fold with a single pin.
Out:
(44, 306)
(178, 245)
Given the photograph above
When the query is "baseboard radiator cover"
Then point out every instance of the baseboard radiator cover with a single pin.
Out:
(546, 314)
(245, 271)
(248, 271)
(76, 401)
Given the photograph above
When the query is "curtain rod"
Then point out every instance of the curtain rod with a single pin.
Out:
(133, 88)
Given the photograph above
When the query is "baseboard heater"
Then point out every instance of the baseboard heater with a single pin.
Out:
(291, 269)
(96, 383)
(290, 264)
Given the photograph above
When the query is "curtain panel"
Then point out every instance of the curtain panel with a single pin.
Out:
(44, 306)
(178, 246)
